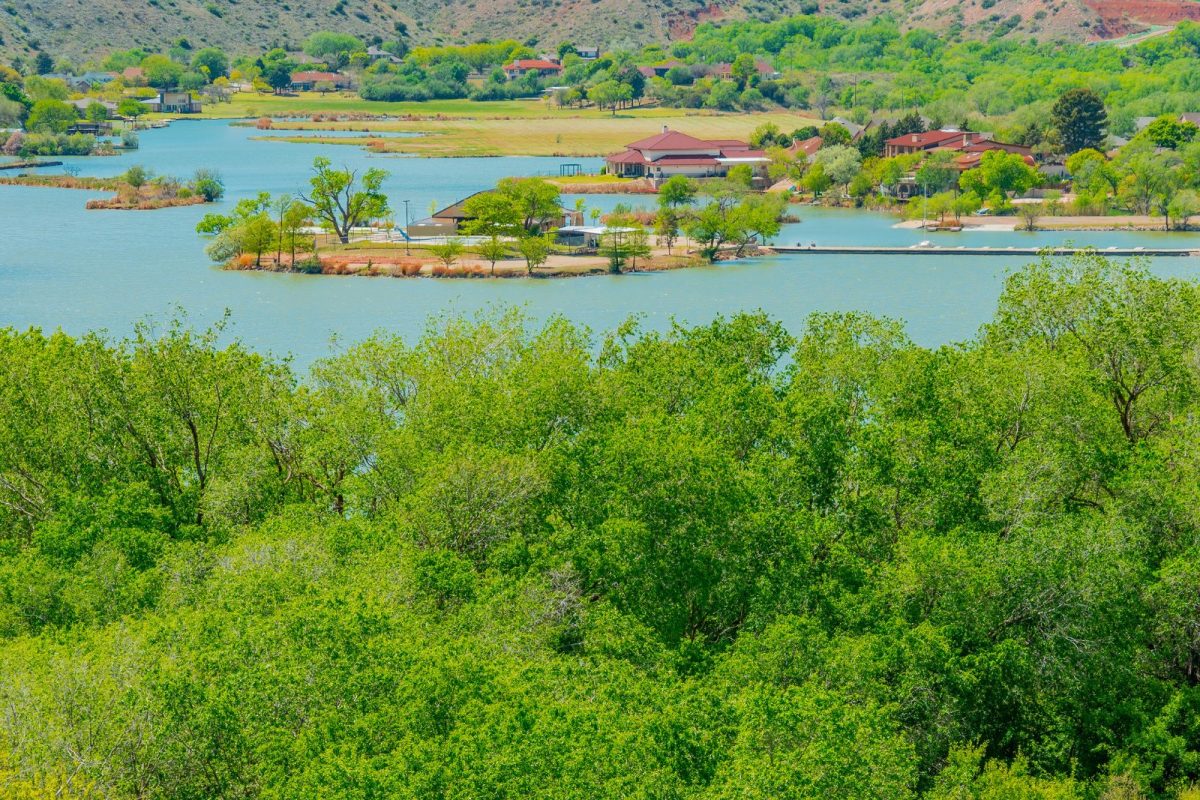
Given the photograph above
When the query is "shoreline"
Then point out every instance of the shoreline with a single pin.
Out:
(385, 263)
(1094, 224)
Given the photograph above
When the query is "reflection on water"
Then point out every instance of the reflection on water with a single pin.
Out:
(62, 266)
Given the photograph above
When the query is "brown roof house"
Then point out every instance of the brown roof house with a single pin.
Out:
(541, 66)
(306, 80)
(449, 220)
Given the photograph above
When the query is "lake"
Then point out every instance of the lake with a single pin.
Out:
(64, 267)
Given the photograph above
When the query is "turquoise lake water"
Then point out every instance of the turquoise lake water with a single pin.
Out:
(64, 267)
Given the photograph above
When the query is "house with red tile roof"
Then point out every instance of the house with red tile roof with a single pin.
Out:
(541, 66)
(930, 140)
(952, 140)
(675, 153)
(807, 147)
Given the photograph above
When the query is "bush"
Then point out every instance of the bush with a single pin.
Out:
(309, 266)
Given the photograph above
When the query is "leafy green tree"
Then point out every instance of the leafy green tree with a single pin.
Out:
(129, 107)
(840, 163)
(998, 176)
(53, 116)
(744, 70)
(536, 250)
(162, 72)
(96, 112)
(208, 184)
(342, 200)
(610, 94)
(834, 134)
(677, 191)
(448, 252)
(211, 62)
(937, 173)
(334, 47)
(137, 176)
(1170, 132)
(496, 216)
(536, 201)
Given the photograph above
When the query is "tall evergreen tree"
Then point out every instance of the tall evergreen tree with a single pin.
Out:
(1080, 120)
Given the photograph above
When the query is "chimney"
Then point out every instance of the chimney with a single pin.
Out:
(665, 128)
(966, 139)
(916, 138)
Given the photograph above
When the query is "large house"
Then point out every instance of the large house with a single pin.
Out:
(307, 80)
(522, 66)
(172, 103)
(84, 82)
(674, 153)
(660, 70)
(969, 147)
(950, 139)
(377, 53)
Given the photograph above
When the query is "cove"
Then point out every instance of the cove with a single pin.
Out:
(64, 267)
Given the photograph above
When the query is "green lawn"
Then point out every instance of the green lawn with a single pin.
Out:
(252, 104)
(508, 128)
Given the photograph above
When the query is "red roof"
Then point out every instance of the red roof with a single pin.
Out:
(533, 63)
(971, 160)
(808, 146)
(982, 147)
(930, 139)
(317, 77)
(673, 140)
(627, 157)
(730, 144)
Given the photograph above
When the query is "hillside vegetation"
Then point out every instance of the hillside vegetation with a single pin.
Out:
(82, 28)
(513, 561)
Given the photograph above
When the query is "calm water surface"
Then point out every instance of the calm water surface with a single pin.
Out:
(64, 267)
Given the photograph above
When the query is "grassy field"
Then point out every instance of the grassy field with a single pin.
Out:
(253, 104)
(504, 128)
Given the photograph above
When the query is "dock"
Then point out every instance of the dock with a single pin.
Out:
(938, 250)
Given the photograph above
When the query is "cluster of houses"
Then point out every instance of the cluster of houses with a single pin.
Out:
(968, 145)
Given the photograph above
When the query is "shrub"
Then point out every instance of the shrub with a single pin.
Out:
(309, 266)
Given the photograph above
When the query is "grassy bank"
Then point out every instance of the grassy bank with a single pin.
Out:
(147, 197)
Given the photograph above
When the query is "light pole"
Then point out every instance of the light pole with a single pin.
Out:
(407, 250)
